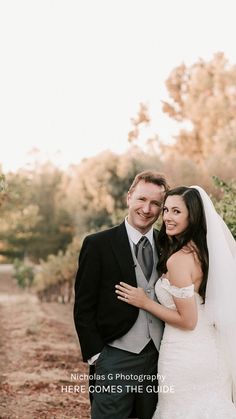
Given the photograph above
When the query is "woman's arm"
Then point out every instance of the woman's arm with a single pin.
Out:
(180, 275)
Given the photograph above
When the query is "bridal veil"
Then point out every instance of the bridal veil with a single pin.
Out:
(220, 301)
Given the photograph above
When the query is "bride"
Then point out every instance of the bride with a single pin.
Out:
(196, 295)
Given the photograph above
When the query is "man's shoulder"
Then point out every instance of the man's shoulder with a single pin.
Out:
(104, 234)
(155, 233)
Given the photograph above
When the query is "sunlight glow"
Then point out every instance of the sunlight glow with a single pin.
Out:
(74, 73)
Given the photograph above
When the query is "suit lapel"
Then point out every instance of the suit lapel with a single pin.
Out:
(121, 248)
(155, 235)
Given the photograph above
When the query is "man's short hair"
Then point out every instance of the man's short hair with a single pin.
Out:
(150, 176)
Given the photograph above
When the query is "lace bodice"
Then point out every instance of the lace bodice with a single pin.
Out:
(165, 292)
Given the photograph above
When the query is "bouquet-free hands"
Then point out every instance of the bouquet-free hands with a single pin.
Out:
(132, 295)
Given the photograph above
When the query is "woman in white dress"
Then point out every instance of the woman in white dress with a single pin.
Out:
(196, 295)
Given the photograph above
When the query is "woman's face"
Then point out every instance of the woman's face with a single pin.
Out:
(175, 215)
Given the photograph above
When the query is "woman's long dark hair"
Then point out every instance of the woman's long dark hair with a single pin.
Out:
(195, 232)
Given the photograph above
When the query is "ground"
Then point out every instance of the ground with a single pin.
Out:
(39, 351)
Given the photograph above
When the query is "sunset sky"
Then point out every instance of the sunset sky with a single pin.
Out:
(74, 72)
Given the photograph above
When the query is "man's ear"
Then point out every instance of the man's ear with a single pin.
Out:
(128, 198)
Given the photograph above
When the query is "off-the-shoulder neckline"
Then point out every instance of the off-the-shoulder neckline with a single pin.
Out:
(188, 286)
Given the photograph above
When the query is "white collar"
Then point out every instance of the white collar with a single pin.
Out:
(135, 235)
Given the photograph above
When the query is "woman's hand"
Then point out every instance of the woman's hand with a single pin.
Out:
(132, 295)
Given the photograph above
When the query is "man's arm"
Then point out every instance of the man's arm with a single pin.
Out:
(87, 287)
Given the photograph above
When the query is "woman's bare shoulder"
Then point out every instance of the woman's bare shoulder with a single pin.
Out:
(180, 267)
(183, 255)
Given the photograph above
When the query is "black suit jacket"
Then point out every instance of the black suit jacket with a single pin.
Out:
(105, 260)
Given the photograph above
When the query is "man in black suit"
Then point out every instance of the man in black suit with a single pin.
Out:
(119, 341)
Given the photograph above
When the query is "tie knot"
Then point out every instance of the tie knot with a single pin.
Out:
(142, 243)
(144, 240)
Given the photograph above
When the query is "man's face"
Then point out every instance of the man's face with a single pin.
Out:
(144, 203)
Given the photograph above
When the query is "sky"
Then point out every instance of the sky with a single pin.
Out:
(73, 73)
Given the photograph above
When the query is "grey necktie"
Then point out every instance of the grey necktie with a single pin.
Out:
(144, 254)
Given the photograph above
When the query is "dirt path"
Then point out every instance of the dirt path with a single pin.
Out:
(38, 353)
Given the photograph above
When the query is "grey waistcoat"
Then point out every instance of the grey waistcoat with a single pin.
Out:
(147, 326)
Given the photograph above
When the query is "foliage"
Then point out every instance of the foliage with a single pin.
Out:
(142, 118)
(23, 273)
(48, 211)
(96, 192)
(227, 204)
(54, 279)
(203, 97)
(34, 220)
(3, 189)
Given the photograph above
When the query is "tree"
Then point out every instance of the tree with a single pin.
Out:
(96, 192)
(142, 118)
(34, 220)
(226, 205)
(3, 189)
(203, 96)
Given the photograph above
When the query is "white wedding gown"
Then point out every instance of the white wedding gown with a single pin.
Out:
(193, 366)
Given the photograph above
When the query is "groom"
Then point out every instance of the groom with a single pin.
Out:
(119, 341)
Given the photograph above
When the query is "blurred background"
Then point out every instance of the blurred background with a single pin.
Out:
(92, 93)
